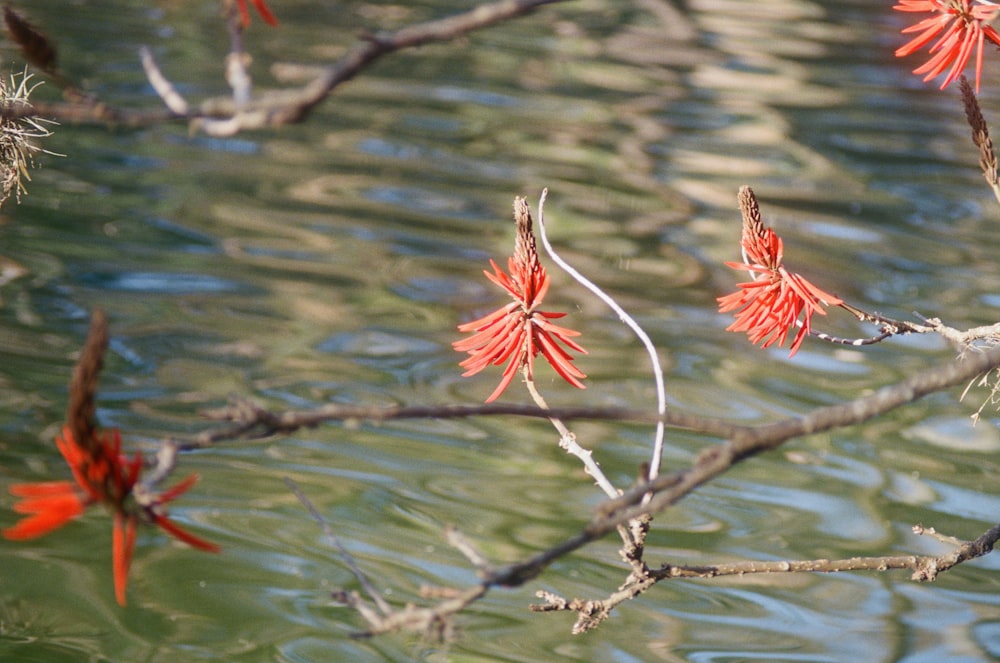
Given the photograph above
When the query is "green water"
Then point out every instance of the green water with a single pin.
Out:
(332, 260)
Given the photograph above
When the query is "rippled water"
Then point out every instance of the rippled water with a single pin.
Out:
(332, 260)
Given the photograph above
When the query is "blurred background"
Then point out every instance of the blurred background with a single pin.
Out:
(332, 261)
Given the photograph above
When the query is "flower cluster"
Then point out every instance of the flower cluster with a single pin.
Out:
(103, 475)
(962, 26)
(776, 300)
(517, 332)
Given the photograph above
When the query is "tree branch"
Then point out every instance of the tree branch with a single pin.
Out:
(747, 441)
(591, 612)
(225, 115)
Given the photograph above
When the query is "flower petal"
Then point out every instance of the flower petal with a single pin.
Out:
(174, 530)
(960, 26)
(46, 518)
(179, 489)
(122, 547)
(262, 9)
(767, 309)
(41, 488)
(517, 332)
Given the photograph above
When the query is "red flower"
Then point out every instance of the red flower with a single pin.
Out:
(964, 27)
(262, 9)
(104, 476)
(774, 301)
(517, 332)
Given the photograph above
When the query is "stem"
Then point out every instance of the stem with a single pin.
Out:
(567, 441)
(661, 397)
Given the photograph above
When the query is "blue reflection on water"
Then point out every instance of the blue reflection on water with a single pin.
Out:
(168, 283)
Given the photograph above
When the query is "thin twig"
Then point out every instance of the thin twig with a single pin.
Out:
(251, 421)
(254, 422)
(344, 553)
(592, 612)
(172, 99)
(960, 339)
(459, 542)
(237, 75)
(654, 358)
(567, 442)
(752, 440)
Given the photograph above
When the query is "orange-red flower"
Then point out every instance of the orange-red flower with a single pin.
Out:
(962, 26)
(775, 300)
(103, 475)
(262, 9)
(517, 332)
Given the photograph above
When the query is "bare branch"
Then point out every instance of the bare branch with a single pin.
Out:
(435, 620)
(237, 75)
(167, 92)
(629, 321)
(567, 442)
(591, 612)
(228, 115)
(344, 554)
(251, 421)
(458, 541)
(752, 440)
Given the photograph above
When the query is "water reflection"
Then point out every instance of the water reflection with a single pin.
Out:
(332, 261)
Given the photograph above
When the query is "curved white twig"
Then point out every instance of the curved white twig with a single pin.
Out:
(661, 393)
(163, 87)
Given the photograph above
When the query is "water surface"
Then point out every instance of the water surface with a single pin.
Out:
(331, 261)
